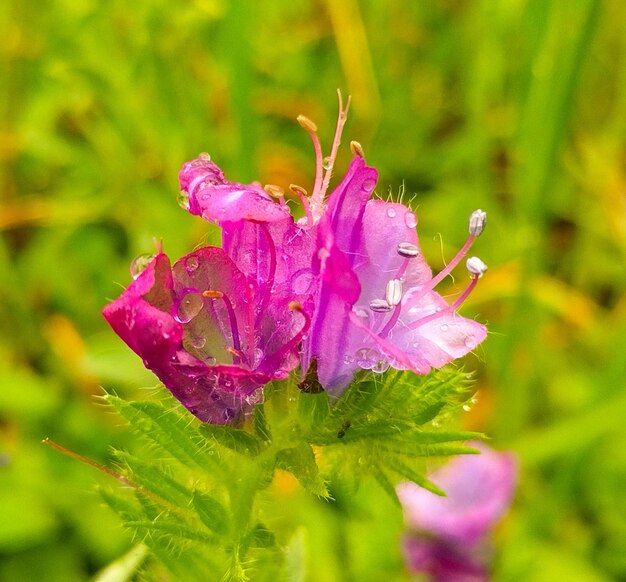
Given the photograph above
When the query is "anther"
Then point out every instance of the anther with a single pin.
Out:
(211, 294)
(274, 191)
(393, 292)
(408, 250)
(477, 222)
(295, 306)
(298, 190)
(307, 124)
(475, 266)
(380, 306)
(357, 149)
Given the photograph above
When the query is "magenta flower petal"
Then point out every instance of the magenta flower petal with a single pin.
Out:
(442, 562)
(216, 199)
(199, 327)
(479, 490)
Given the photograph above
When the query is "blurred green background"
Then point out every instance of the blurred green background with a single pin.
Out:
(514, 106)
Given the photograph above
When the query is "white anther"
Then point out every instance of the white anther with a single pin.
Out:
(475, 266)
(380, 306)
(477, 222)
(408, 250)
(393, 292)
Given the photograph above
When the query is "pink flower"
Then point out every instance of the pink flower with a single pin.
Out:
(212, 338)
(449, 534)
(353, 262)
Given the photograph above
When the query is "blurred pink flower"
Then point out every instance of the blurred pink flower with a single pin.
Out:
(447, 536)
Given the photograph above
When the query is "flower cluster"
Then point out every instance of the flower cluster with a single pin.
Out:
(448, 536)
(343, 288)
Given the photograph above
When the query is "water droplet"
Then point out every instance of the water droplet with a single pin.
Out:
(348, 359)
(204, 156)
(467, 407)
(191, 264)
(444, 327)
(183, 200)
(366, 358)
(139, 264)
(368, 186)
(380, 367)
(189, 306)
(410, 219)
(198, 342)
(361, 461)
(327, 163)
(470, 342)
(302, 281)
(391, 212)
(210, 361)
(258, 356)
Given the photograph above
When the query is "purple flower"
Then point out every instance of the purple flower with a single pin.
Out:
(353, 263)
(376, 305)
(212, 338)
(448, 535)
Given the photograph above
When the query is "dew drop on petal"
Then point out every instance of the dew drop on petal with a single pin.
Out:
(348, 359)
(410, 219)
(302, 281)
(380, 367)
(139, 264)
(368, 186)
(191, 264)
(210, 361)
(366, 358)
(470, 342)
(198, 342)
(391, 212)
(444, 327)
(189, 306)
(183, 200)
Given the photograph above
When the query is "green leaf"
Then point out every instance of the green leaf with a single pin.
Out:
(150, 476)
(260, 537)
(384, 482)
(300, 461)
(313, 409)
(260, 425)
(166, 428)
(237, 440)
(411, 474)
(211, 512)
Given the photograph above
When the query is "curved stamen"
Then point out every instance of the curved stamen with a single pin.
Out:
(302, 194)
(311, 129)
(388, 347)
(232, 320)
(450, 308)
(272, 251)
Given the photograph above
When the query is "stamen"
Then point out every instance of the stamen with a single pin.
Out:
(387, 347)
(274, 191)
(357, 149)
(408, 250)
(272, 252)
(302, 194)
(316, 198)
(455, 261)
(475, 266)
(477, 222)
(393, 292)
(453, 306)
(232, 320)
(380, 306)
